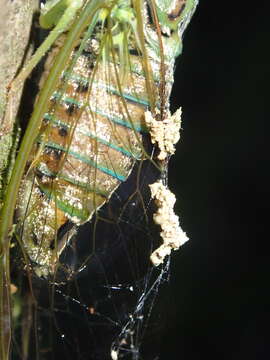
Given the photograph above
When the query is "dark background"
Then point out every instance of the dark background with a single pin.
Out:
(219, 298)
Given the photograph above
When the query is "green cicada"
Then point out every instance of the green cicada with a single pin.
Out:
(110, 63)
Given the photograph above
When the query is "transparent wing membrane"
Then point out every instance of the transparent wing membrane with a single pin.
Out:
(91, 135)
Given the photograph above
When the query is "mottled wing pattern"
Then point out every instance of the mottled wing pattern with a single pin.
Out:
(91, 135)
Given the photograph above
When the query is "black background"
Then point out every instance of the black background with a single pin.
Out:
(218, 304)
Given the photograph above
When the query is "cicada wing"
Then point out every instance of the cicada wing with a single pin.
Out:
(93, 130)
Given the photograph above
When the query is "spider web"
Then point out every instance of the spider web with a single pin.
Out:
(107, 308)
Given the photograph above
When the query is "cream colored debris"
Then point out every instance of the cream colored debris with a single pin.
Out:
(114, 355)
(171, 233)
(164, 133)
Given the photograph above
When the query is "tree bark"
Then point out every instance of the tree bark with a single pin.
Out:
(15, 26)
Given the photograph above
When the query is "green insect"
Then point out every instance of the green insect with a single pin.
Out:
(110, 62)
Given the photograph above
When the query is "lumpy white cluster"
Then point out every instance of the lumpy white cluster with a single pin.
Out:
(171, 233)
(165, 133)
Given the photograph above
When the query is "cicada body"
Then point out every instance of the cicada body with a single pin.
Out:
(93, 128)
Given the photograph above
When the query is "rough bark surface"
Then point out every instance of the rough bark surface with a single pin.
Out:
(15, 26)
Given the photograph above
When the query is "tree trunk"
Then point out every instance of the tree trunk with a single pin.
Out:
(15, 25)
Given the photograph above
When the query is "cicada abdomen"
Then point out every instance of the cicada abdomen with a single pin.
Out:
(93, 130)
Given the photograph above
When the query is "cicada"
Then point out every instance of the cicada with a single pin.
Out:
(110, 62)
